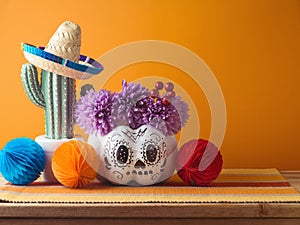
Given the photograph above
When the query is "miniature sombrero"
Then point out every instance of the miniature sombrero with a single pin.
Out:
(62, 54)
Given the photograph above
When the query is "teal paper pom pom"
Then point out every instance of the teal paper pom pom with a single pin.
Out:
(21, 161)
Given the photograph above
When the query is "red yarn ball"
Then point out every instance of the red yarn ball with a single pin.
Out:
(199, 162)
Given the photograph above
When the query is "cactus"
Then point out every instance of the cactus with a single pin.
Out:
(54, 93)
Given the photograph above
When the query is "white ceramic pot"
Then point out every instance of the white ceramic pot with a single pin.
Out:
(143, 156)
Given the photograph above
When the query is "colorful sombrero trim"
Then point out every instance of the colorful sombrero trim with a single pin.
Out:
(95, 69)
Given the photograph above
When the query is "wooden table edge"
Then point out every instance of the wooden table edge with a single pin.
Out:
(157, 210)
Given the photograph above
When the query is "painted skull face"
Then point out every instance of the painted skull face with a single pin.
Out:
(135, 157)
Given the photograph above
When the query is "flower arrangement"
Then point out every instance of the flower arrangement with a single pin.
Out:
(134, 106)
(133, 133)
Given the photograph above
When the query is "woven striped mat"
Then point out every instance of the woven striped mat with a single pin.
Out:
(233, 185)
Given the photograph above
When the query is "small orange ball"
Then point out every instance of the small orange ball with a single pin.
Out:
(75, 164)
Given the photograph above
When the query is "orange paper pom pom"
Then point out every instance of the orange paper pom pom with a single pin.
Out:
(75, 164)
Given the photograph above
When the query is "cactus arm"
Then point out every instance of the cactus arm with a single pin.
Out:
(48, 95)
(31, 84)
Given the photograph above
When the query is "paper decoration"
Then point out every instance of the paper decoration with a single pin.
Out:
(199, 162)
(75, 164)
(21, 161)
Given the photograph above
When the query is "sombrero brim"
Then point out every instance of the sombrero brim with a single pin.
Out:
(86, 68)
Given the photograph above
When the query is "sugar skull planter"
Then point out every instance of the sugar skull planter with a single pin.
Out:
(143, 156)
(133, 132)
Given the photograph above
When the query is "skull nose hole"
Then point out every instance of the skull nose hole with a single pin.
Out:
(139, 164)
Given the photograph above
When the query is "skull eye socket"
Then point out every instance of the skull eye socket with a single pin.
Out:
(122, 154)
(151, 153)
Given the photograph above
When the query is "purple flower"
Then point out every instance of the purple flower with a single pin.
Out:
(140, 112)
(125, 100)
(164, 117)
(182, 109)
(93, 112)
(168, 118)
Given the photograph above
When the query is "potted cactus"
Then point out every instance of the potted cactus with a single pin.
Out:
(55, 90)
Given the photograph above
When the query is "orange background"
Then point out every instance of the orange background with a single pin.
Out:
(252, 46)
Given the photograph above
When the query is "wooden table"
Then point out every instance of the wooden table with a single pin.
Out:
(209, 214)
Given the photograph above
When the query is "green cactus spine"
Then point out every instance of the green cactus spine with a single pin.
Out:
(54, 93)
